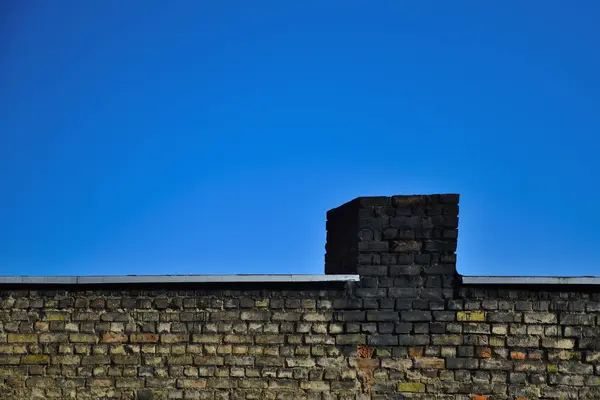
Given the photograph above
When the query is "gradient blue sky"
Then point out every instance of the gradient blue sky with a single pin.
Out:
(153, 137)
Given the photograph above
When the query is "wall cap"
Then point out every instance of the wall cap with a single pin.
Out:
(118, 279)
(531, 280)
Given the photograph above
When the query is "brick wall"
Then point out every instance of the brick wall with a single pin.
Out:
(410, 329)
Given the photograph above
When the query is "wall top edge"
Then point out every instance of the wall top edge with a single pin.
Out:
(120, 279)
(531, 280)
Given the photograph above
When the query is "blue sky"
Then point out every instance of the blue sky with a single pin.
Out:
(147, 137)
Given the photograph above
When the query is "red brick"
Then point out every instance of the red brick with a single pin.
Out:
(484, 352)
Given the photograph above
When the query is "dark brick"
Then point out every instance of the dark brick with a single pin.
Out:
(403, 328)
(382, 340)
(413, 316)
(382, 316)
(372, 270)
(145, 394)
(350, 316)
(397, 270)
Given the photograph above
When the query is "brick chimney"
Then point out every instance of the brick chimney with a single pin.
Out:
(401, 241)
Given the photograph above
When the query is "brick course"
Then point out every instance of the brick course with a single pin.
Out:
(410, 329)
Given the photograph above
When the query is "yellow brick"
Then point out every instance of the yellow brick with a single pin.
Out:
(320, 386)
(148, 349)
(194, 349)
(83, 338)
(13, 349)
(41, 326)
(211, 349)
(22, 338)
(411, 387)
(191, 383)
(66, 360)
(95, 383)
(470, 316)
(56, 316)
(262, 303)
(271, 351)
(36, 359)
(178, 349)
(9, 360)
(239, 350)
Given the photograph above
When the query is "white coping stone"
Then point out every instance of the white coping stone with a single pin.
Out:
(116, 279)
(531, 280)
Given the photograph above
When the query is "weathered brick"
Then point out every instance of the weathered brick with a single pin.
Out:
(238, 339)
(383, 316)
(429, 362)
(239, 361)
(483, 352)
(13, 349)
(95, 360)
(558, 343)
(207, 339)
(184, 359)
(208, 360)
(540, 318)
(255, 315)
(171, 338)
(350, 316)
(346, 339)
(398, 364)
(128, 383)
(121, 359)
(191, 383)
(22, 338)
(523, 341)
(490, 364)
(382, 340)
(286, 316)
(315, 386)
(83, 338)
(53, 338)
(112, 337)
(66, 360)
(577, 319)
(411, 387)
(269, 339)
(470, 316)
(269, 361)
(415, 316)
(300, 362)
(10, 360)
(447, 340)
(36, 359)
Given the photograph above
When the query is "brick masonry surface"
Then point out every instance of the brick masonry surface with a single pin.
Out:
(408, 330)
